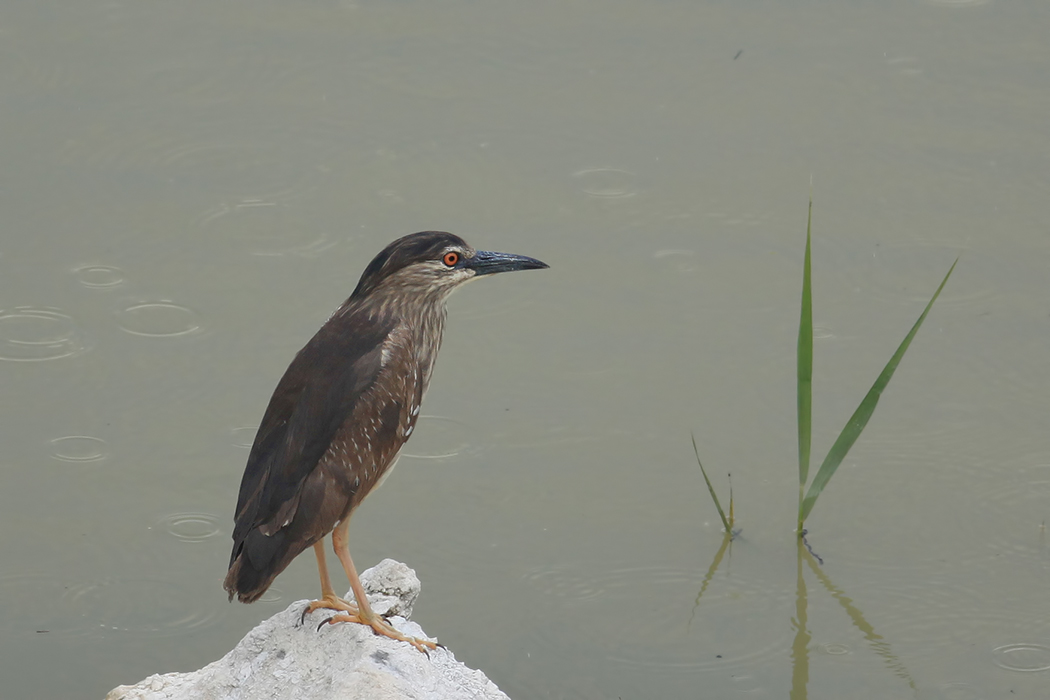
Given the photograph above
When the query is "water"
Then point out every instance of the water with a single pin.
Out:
(188, 190)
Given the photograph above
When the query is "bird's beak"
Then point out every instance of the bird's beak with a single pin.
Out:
(487, 263)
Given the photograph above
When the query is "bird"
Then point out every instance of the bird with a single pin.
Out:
(340, 414)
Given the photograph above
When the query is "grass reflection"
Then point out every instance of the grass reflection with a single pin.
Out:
(807, 498)
(727, 546)
(875, 641)
(801, 644)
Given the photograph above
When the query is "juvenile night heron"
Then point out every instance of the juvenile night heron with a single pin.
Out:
(341, 413)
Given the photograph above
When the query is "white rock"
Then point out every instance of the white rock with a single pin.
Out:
(283, 660)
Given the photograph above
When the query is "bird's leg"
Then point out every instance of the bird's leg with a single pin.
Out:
(329, 599)
(364, 614)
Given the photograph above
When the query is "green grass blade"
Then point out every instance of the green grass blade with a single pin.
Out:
(732, 521)
(805, 369)
(711, 490)
(860, 417)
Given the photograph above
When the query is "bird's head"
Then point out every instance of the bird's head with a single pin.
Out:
(427, 266)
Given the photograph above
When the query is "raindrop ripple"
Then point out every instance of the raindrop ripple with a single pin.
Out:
(159, 319)
(190, 527)
(35, 334)
(79, 448)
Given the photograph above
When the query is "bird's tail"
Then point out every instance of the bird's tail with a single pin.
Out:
(256, 561)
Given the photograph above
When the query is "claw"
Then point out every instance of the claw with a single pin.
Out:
(384, 628)
(328, 603)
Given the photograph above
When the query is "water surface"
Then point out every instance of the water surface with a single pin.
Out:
(189, 189)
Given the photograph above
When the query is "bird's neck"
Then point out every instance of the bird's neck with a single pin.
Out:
(423, 330)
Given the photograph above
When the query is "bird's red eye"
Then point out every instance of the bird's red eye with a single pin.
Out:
(450, 259)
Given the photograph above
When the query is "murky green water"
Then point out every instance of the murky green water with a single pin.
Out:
(189, 189)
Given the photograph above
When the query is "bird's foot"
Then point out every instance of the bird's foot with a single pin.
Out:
(329, 603)
(384, 628)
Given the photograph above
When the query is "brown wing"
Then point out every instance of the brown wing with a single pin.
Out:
(313, 399)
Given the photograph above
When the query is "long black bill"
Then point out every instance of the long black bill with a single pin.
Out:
(487, 263)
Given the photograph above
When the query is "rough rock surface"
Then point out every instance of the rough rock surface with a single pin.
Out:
(281, 659)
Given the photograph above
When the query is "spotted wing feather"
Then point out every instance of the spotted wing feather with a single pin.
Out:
(315, 396)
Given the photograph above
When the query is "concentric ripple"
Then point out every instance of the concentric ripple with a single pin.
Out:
(930, 615)
(562, 584)
(273, 594)
(190, 527)
(99, 276)
(267, 227)
(437, 437)
(1022, 657)
(607, 183)
(159, 319)
(79, 448)
(119, 606)
(835, 649)
(35, 334)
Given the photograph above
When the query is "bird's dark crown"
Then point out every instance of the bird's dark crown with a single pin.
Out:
(413, 248)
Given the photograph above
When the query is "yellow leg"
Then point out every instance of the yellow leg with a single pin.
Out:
(329, 600)
(363, 613)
